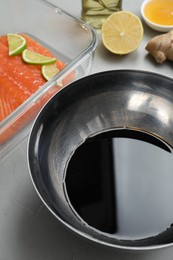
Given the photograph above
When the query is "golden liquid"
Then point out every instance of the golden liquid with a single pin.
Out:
(160, 11)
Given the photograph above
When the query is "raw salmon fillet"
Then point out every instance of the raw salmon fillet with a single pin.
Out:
(18, 81)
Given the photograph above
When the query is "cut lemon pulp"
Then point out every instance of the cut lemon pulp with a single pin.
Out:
(49, 71)
(122, 32)
(32, 57)
(16, 44)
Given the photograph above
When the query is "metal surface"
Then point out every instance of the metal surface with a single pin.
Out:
(121, 99)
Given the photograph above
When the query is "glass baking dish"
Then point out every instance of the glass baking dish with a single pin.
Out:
(68, 38)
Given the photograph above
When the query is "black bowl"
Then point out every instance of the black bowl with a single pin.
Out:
(122, 99)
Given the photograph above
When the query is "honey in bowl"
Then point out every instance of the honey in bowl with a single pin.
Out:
(160, 12)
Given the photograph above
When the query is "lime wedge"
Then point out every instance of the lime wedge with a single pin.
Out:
(32, 57)
(49, 71)
(16, 44)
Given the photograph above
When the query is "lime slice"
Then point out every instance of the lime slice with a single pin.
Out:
(49, 71)
(16, 44)
(32, 57)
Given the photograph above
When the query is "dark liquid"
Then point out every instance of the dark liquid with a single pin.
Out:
(120, 182)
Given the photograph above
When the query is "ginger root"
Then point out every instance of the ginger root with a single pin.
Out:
(161, 47)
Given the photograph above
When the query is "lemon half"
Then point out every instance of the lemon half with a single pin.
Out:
(122, 32)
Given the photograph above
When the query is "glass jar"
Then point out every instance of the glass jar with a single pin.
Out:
(95, 12)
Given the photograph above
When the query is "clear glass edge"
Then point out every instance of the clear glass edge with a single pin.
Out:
(73, 64)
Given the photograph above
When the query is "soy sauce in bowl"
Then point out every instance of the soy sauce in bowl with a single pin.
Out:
(115, 182)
